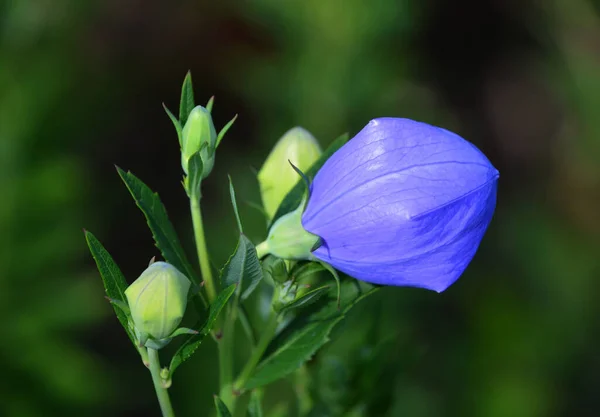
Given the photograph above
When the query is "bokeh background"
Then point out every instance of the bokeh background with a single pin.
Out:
(81, 87)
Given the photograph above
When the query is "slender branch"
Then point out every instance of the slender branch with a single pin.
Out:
(201, 247)
(225, 338)
(161, 391)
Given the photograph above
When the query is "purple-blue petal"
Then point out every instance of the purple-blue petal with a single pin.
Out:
(403, 203)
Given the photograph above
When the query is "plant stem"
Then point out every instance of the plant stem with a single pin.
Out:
(201, 247)
(161, 391)
(224, 344)
(262, 249)
(265, 338)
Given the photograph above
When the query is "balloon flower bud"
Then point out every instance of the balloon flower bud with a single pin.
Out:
(157, 300)
(199, 135)
(277, 177)
(402, 203)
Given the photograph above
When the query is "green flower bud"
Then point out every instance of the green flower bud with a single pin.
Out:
(199, 135)
(157, 300)
(277, 177)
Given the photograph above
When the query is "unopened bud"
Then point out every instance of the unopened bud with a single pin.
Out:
(199, 135)
(157, 300)
(277, 177)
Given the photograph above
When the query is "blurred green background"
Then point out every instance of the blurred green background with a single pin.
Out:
(81, 86)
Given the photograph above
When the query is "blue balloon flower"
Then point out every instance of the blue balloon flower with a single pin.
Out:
(402, 203)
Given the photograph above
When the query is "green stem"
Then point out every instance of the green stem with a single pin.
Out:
(225, 345)
(265, 338)
(202, 251)
(262, 249)
(161, 391)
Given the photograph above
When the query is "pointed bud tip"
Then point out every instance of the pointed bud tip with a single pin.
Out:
(297, 149)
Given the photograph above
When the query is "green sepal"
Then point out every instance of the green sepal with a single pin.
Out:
(120, 304)
(193, 182)
(176, 123)
(157, 344)
(225, 129)
(183, 330)
(210, 104)
(186, 103)
(305, 179)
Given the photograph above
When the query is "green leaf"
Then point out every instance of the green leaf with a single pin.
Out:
(222, 410)
(298, 342)
(254, 406)
(187, 349)
(294, 197)
(308, 298)
(176, 123)
(112, 277)
(243, 267)
(162, 230)
(186, 104)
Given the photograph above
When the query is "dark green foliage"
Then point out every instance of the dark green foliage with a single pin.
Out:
(299, 341)
(163, 232)
(243, 268)
(112, 277)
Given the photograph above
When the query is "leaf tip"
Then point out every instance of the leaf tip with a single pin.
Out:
(120, 171)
